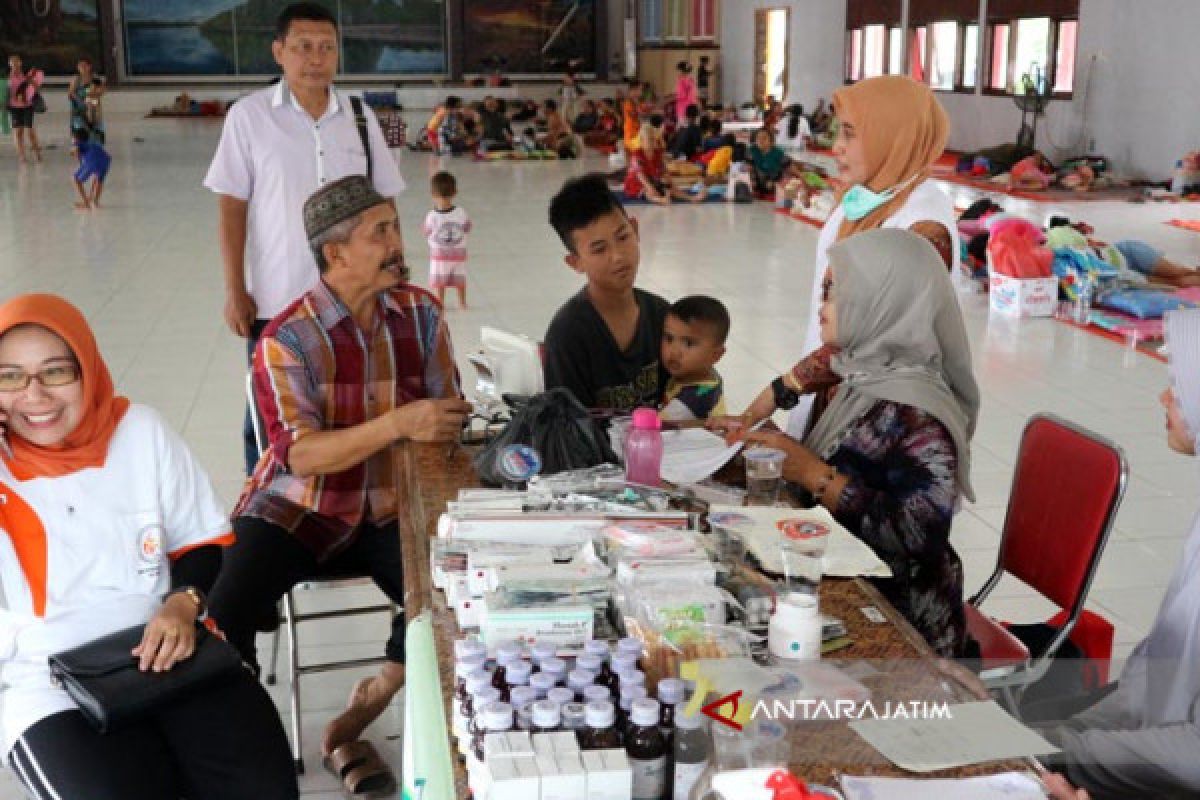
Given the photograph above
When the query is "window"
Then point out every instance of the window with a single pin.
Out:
(854, 67)
(917, 54)
(704, 20)
(999, 62)
(943, 53)
(1064, 57)
(874, 38)
(895, 51)
(669, 21)
(1032, 43)
(874, 45)
(1030, 54)
(384, 37)
(676, 29)
(651, 20)
(970, 59)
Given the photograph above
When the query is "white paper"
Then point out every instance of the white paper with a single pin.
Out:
(971, 733)
(846, 556)
(692, 454)
(1005, 786)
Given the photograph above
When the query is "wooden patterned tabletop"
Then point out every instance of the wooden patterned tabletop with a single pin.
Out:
(890, 658)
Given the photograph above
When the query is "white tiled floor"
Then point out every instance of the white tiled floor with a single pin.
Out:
(146, 271)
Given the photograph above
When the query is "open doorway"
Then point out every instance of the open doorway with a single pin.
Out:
(770, 54)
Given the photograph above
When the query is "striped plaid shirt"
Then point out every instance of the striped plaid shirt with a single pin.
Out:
(315, 369)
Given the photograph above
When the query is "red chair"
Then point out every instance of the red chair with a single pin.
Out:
(1066, 490)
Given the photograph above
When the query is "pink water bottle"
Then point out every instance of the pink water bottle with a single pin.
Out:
(644, 448)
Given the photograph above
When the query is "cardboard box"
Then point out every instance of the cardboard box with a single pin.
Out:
(563, 626)
(564, 742)
(563, 777)
(609, 776)
(513, 778)
(1033, 297)
(509, 744)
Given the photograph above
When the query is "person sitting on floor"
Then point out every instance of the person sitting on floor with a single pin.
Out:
(587, 119)
(889, 456)
(793, 134)
(358, 363)
(769, 162)
(1138, 738)
(110, 522)
(558, 137)
(647, 177)
(495, 130)
(686, 142)
(445, 130)
(712, 134)
(604, 344)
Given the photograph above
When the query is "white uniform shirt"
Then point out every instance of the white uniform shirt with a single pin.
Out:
(273, 155)
(109, 533)
(926, 202)
(797, 143)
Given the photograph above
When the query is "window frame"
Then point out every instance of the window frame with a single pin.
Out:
(1051, 61)
(849, 68)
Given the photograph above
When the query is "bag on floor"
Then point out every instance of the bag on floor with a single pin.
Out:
(1081, 665)
(554, 424)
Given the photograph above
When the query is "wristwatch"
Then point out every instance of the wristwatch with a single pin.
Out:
(195, 595)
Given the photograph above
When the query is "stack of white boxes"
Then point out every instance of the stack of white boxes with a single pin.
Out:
(547, 766)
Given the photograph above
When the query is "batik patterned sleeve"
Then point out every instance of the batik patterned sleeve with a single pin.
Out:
(903, 503)
(813, 373)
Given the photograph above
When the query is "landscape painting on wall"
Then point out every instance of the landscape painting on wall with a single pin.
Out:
(533, 36)
(233, 37)
(51, 35)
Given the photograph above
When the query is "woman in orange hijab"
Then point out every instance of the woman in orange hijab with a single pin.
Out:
(890, 132)
(108, 522)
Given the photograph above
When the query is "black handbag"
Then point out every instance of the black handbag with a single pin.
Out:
(39, 103)
(103, 678)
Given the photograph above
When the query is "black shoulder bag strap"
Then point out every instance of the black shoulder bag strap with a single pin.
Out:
(360, 121)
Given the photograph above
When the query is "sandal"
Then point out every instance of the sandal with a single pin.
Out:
(360, 769)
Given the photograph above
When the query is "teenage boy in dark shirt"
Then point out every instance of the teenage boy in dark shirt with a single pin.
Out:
(603, 344)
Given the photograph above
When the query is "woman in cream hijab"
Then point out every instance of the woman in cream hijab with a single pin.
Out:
(1143, 739)
(891, 131)
(890, 456)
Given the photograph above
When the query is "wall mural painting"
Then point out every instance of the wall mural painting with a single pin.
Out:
(529, 36)
(51, 35)
(233, 37)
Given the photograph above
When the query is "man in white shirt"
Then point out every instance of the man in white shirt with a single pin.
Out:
(279, 145)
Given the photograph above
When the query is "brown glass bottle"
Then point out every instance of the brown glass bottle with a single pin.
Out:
(647, 751)
(600, 732)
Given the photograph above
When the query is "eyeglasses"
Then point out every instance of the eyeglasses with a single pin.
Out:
(826, 290)
(14, 380)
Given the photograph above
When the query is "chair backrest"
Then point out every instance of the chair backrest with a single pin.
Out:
(1066, 490)
(260, 436)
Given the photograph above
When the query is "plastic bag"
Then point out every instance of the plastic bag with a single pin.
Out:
(1142, 303)
(1014, 250)
(555, 425)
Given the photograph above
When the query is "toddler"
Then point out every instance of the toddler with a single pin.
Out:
(94, 161)
(693, 341)
(446, 228)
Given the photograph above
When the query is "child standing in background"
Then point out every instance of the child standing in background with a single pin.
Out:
(94, 162)
(446, 228)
